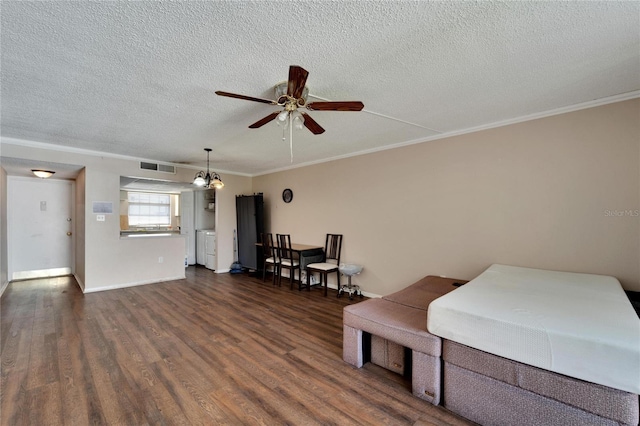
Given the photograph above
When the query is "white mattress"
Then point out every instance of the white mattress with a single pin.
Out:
(579, 325)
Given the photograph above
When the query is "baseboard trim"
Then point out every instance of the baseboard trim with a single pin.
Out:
(334, 286)
(80, 282)
(133, 284)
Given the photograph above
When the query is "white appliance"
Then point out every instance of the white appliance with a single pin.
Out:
(210, 250)
(206, 248)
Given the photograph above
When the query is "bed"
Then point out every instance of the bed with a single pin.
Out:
(521, 344)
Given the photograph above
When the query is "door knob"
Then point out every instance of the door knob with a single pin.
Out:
(69, 233)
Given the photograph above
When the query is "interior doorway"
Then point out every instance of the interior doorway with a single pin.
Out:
(40, 227)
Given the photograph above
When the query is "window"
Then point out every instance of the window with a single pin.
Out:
(149, 209)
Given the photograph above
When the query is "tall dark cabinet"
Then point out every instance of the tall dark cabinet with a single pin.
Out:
(250, 219)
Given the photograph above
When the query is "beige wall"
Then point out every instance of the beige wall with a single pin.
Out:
(560, 193)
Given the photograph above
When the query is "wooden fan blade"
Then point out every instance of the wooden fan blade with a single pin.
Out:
(246, 98)
(264, 121)
(335, 106)
(297, 80)
(311, 124)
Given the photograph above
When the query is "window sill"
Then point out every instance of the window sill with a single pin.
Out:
(129, 234)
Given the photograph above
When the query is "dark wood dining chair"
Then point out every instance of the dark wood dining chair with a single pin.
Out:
(270, 255)
(287, 259)
(332, 249)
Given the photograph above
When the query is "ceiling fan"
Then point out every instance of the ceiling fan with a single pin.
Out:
(292, 95)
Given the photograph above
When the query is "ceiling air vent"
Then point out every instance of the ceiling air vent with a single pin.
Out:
(167, 169)
(158, 167)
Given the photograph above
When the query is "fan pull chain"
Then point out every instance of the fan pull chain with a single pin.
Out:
(291, 136)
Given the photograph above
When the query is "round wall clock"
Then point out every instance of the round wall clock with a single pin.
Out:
(287, 195)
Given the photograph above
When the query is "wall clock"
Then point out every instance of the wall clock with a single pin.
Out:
(287, 195)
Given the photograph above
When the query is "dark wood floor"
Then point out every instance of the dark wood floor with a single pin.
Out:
(211, 349)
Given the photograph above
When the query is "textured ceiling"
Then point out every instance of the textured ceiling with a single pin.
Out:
(138, 78)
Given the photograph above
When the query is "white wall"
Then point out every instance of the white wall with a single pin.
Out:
(112, 261)
(541, 194)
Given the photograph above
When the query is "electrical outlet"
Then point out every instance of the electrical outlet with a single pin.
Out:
(160, 259)
(100, 218)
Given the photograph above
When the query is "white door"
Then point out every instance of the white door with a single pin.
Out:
(187, 224)
(40, 227)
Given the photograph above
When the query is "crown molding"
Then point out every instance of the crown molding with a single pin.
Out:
(558, 111)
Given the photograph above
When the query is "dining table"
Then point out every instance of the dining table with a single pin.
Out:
(307, 253)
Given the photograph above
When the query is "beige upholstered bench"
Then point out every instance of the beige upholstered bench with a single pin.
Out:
(392, 332)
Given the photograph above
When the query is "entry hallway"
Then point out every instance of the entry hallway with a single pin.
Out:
(211, 349)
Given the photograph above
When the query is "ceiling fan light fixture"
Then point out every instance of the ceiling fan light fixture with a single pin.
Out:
(42, 174)
(292, 95)
(206, 180)
(282, 119)
(298, 120)
(283, 116)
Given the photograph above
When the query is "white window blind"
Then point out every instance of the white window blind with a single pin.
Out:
(149, 209)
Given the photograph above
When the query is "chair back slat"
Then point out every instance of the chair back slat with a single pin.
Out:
(267, 245)
(332, 248)
(284, 246)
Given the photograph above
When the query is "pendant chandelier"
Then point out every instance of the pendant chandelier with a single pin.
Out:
(208, 180)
